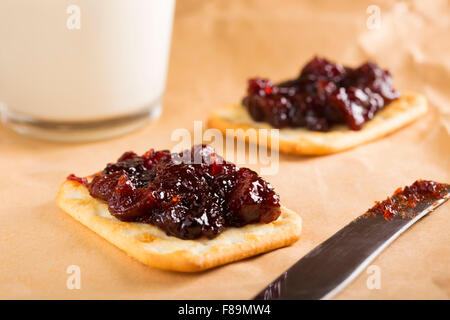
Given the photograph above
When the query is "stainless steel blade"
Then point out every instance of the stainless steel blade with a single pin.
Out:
(332, 265)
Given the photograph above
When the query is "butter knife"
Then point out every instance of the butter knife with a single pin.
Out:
(332, 265)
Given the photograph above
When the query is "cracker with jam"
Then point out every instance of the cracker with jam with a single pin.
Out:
(187, 211)
(328, 108)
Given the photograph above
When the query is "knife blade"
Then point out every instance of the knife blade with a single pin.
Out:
(332, 265)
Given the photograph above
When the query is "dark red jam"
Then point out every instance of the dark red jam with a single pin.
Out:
(324, 94)
(404, 200)
(190, 194)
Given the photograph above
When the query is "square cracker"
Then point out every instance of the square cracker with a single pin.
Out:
(397, 114)
(153, 247)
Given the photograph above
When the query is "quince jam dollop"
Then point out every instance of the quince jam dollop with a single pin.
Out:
(403, 201)
(190, 194)
(324, 94)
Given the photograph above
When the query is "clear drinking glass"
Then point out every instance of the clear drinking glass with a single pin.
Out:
(88, 70)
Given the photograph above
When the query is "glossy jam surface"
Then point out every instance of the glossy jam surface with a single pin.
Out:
(188, 195)
(403, 200)
(324, 94)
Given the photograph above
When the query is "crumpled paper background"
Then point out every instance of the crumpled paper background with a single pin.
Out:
(216, 46)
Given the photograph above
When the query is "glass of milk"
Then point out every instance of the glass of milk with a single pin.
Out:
(82, 69)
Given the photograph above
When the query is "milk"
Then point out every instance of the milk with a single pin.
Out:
(114, 65)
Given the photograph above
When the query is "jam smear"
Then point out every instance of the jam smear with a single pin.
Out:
(189, 195)
(404, 200)
(324, 94)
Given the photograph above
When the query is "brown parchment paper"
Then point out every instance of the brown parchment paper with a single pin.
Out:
(216, 46)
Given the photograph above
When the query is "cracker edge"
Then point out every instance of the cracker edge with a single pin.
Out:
(180, 260)
(413, 105)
